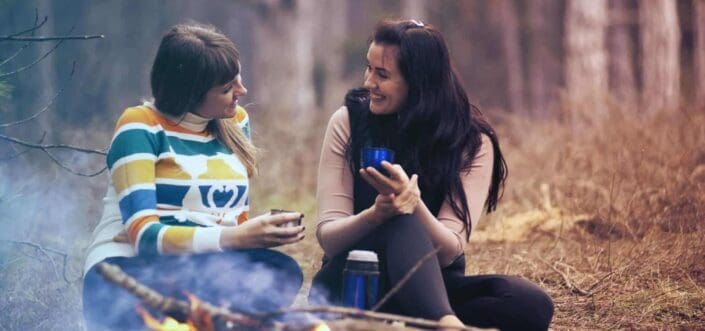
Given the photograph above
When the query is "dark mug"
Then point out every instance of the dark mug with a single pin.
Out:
(289, 224)
(373, 157)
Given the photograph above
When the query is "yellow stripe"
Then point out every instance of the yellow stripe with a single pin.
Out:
(240, 115)
(168, 168)
(219, 169)
(131, 173)
(177, 239)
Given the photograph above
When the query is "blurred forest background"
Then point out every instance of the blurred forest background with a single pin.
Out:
(599, 105)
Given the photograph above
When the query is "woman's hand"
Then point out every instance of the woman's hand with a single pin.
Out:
(396, 182)
(263, 231)
(388, 205)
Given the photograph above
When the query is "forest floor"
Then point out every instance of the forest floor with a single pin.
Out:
(607, 216)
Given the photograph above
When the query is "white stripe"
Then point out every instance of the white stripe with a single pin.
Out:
(160, 239)
(207, 239)
(139, 238)
(188, 136)
(137, 187)
(137, 126)
(133, 157)
(191, 182)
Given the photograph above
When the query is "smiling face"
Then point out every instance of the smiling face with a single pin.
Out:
(221, 100)
(388, 88)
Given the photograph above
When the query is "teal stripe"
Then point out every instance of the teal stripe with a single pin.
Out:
(148, 241)
(190, 147)
(136, 141)
(170, 220)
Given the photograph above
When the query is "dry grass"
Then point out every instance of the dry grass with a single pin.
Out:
(606, 215)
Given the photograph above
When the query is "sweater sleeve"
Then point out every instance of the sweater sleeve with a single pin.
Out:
(476, 183)
(134, 151)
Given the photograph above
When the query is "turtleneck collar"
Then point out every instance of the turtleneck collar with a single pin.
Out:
(189, 121)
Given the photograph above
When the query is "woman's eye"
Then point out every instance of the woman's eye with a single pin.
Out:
(227, 89)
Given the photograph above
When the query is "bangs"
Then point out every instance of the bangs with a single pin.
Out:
(221, 65)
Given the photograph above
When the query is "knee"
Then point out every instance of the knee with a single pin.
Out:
(403, 226)
(537, 304)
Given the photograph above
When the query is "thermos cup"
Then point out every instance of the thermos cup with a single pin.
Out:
(361, 279)
(373, 157)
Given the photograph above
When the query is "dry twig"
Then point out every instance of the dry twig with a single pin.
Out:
(405, 279)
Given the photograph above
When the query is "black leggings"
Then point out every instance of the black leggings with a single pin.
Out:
(491, 301)
(253, 280)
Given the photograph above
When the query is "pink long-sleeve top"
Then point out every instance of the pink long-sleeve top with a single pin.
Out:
(338, 228)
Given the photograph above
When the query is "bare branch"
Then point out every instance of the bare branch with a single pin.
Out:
(36, 26)
(32, 29)
(53, 38)
(33, 63)
(45, 147)
(406, 278)
(46, 107)
(45, 251)
(67, 168)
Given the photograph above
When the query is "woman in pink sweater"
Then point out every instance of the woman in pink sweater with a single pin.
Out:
(448, 169)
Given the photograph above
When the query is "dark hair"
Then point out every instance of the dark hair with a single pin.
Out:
(191, 59)
(438, 131)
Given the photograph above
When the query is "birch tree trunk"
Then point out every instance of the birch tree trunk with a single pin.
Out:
(699, 51)
(659, 37)
(586, 56)
(621, 46)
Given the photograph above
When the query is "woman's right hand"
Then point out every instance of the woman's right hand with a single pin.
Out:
(388, 205)
(263, 231)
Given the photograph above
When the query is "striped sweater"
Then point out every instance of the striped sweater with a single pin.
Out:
(174, 185)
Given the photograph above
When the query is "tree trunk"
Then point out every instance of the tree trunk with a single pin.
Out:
(699, 51)
(329, 61)
(504, 17)
(414, 10)
(586, 56)
(284, 56)
(544, 53)
(659, 36)
(621, 45)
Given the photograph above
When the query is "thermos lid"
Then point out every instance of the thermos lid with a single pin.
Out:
(362, 256)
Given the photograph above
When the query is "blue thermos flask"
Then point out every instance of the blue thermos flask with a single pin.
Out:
(361, 279)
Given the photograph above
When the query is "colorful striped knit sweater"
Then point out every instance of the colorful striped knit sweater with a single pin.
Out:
(175, 185)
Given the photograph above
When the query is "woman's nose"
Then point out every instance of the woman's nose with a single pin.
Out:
(240, 90)
(368, 83)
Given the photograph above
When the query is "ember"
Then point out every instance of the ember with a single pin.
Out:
(169, 324)
(320, 327)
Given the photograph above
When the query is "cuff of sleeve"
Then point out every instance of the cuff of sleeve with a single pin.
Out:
(207, 239)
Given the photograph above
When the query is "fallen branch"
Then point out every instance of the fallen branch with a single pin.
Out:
(566, 280)
(177, 309)
(45, 147)
(181, 311)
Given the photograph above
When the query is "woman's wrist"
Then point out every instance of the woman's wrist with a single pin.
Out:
(231, 237)
(372, 216)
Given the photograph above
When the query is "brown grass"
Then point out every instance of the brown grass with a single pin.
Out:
(606, 215)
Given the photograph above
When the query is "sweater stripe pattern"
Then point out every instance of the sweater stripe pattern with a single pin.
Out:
(175, 187)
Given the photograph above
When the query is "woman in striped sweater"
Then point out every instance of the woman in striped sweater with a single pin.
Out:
(176, 211)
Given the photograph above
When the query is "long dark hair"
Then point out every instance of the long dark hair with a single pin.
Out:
(191, 59)
(438, 132)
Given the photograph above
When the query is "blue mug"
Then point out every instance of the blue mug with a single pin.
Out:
(373, 157)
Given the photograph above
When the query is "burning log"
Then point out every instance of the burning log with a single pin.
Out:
(204, 313)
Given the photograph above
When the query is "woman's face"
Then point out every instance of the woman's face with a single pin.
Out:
(221, 100)
(388, 88)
